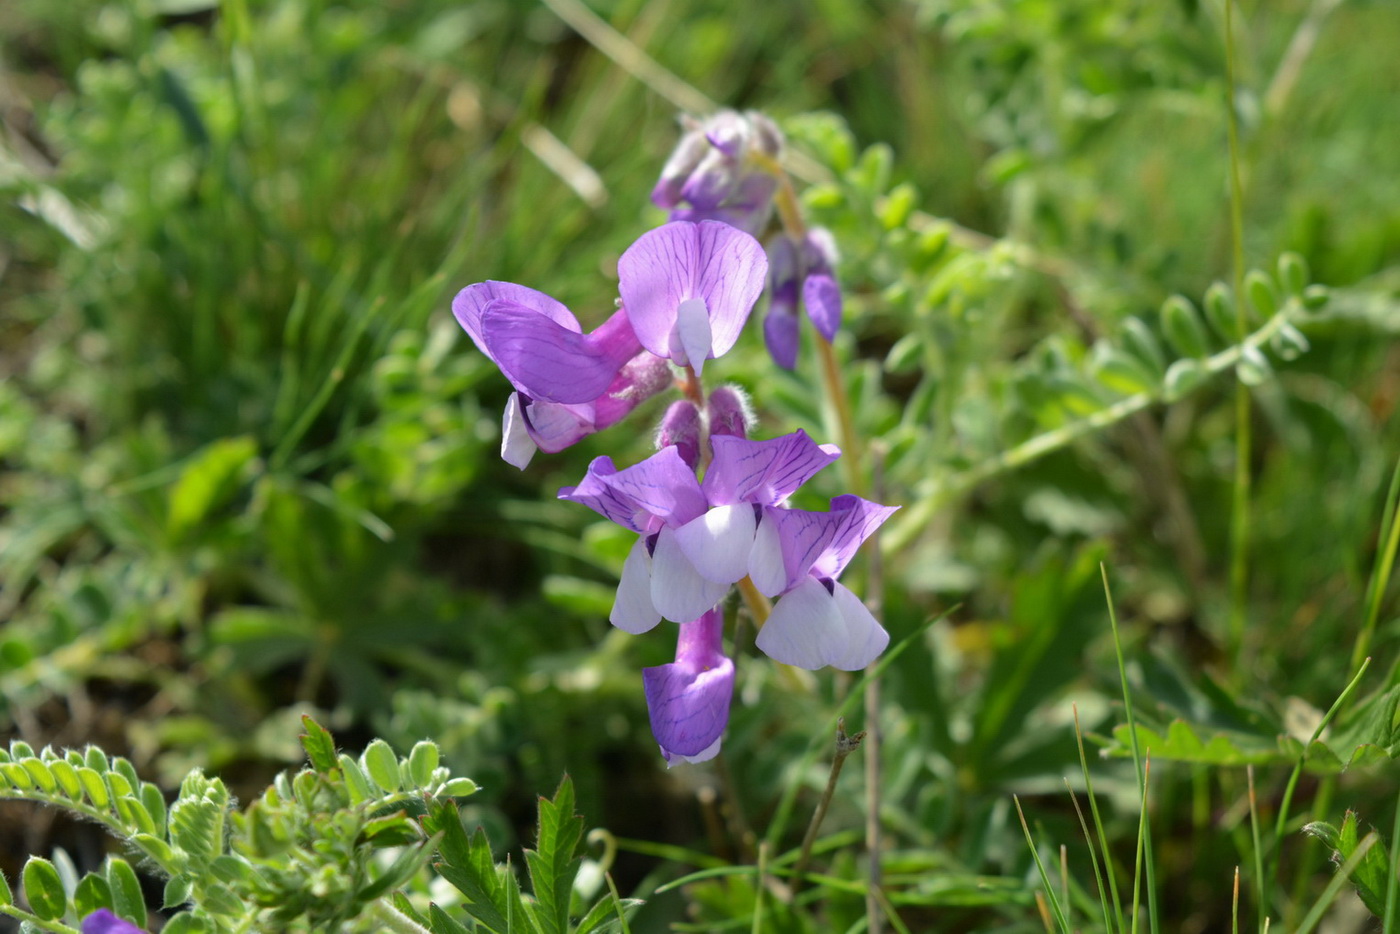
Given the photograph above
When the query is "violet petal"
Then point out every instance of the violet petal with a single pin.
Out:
(711, 261)
(821, 296)
(472, 301)
(548, 361)
(763, 472)
(856, 520)
(103, 921)
(660, 487)
(688, 700)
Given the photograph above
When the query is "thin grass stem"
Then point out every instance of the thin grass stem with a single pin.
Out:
(1098, 826)
(1235, 905)
(845, 745)
(1258, 847)
(1094, 860)
(1380, 572)
(1049, 891)
(1393, 880)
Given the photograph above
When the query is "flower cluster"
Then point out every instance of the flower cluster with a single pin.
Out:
(711, 506)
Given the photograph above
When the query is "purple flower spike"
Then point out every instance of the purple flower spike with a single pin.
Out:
(806, 269)
(688, 700)
(688, 288)
(103, 921)
(711, 175)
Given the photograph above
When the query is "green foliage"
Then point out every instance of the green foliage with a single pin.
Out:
(1371, 874)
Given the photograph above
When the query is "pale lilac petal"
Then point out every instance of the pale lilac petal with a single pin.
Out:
(719, 264)
(766, 567)
(857, 519)
(821, 296)
(713, 180)
(632, 611)
(805, 629)
(677, 590)
(553, 426)
(103, 921)
(763, 472)
(718, 543)
(690, 341)
(472, 301)
(692, 147)
(780, 335)
(688, 700)
(660, 487)
(550, 362)
(865, 637)
(517, 447)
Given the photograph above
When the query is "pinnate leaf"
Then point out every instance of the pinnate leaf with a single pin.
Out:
(319, 746)
(552, 863)
(1371, 874)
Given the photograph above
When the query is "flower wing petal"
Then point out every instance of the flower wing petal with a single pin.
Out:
(718, 543)
(805, 629)
(856, 519)
(632, 611)
(677, 590)
(472, 301)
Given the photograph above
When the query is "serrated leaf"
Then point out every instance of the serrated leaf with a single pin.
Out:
(422, 760)
(604, 914)
(404, 867)
(401, 903)
(91, 893)
(127, 900)
(44, 889)
(466, 862)
(1371, 874)
(382, 765)
(440, 922)
(552, 863)
(319, 746)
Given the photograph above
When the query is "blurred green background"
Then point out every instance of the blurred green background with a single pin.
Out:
(248, 461)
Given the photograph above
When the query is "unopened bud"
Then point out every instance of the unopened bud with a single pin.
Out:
(680, 428)
(729, 412)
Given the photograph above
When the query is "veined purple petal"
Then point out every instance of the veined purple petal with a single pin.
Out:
(469, 304)
(763, 472)
(103, 921)
(550, 362)
(786, 546)
(660, 487)
(714, 262)
(688, 700)
(856, 519)
(821, 296)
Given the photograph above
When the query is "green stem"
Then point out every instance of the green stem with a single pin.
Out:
(394, 920)
(910, 522)
(19, 914)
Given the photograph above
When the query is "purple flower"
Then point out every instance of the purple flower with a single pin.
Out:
(710, 176)
(568, 384)
(103, 921)
(807, 268)
(688, 289)
(797, 556)
(688, 700)
(695, 538)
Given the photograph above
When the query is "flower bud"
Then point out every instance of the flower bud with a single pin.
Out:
(729, 412)
(680, 428)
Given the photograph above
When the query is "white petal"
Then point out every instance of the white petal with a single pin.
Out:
(865, 638)
(678, 591)
(805, 628)
(516, 445)
(766, 568)
(718, 543)
(709, 752)
(691, 335)
(632, 610)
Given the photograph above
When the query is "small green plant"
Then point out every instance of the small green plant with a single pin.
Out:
(340, 845)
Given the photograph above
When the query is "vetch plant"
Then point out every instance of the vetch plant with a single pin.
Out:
(710, 508)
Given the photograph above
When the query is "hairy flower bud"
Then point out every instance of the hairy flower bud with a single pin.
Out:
(680, 427)
(729, 412)
(709, 175)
